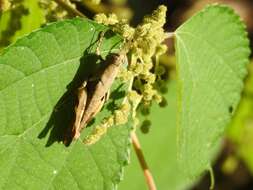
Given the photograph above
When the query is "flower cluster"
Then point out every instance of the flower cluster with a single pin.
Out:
(5, 5)
(53, 11)
(143, 45)
(119, 117)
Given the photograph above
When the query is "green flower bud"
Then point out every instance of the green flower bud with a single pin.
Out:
(145, 126)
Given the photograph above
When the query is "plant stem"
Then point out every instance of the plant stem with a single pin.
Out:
(68, 8)
(212, 179)
(170, 34)
(148, 175)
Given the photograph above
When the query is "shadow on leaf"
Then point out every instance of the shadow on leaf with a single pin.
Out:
(62, 117)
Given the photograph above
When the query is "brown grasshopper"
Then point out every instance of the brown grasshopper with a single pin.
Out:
(90, 104)
(80, 107)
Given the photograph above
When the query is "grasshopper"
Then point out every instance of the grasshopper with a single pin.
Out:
(80, 107)
(90, 103)
(87, 108)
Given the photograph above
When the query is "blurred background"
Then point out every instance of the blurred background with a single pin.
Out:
(233, 166)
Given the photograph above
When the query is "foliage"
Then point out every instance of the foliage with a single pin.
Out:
(161, 138)
(21, 18)
(40, 73)
(35, 72)
(240, 131)
(209, 91)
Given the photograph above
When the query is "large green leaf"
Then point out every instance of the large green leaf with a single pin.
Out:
(36, 73)
(212, 51)
(159, 147)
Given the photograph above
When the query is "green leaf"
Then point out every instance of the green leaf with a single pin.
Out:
(159, 147)
(37, 73)
(212, 51)
(240, 131)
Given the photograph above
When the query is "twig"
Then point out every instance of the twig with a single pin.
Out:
(68, 8)
(148, 176)
(170, 35)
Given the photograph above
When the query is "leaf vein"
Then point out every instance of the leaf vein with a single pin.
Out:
(215, 50)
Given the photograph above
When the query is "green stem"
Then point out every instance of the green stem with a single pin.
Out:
(212, 179)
